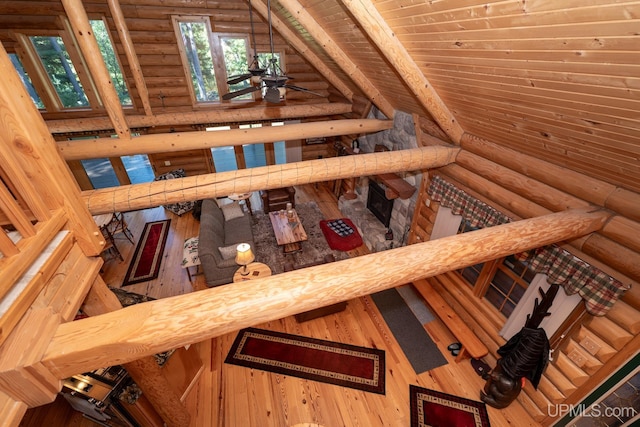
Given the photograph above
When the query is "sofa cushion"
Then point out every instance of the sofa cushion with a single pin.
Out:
(228, 252)
(231, 211)
(216, 233)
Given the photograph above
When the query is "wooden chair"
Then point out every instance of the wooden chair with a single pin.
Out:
(277, 199)
(110, 243)
(118, 225)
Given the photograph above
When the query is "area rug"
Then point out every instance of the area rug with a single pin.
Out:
(330, 362)
(436, 409)
(315, 248)
(341, 234)
(147, 257)
(413, 339)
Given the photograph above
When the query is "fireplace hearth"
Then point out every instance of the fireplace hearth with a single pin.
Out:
(378, 203)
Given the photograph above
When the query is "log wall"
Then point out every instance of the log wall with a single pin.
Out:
(151, 31)
(520, 196)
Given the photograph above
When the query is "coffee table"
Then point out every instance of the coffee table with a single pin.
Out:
(289, 231)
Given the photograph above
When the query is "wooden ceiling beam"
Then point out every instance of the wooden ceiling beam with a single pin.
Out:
(130, 52)
(153, 194)
(304, 50)
(259, 113)
(378, 30)
(338, 55)
(91, 52)
(152, 327)
(181, 141)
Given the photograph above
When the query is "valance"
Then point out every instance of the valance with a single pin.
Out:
(599, 290)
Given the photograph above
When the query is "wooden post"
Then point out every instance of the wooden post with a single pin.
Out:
(183, 141)
(92, 55)
(376, 27)
(144, 371)
(130, 51)
(29, 143)
(141, 196)
(151, 327)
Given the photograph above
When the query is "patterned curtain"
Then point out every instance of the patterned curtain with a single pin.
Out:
(599, 290)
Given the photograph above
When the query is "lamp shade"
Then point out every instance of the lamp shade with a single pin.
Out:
(244, 254)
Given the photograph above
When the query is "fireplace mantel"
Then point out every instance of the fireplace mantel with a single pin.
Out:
(395, 186)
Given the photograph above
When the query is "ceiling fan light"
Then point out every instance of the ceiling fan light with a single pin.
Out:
(256, 80)
(272, 94)
(282, 91)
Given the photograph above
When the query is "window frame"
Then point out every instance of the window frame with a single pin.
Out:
(220, 66)
(176, 20)
(32, 61)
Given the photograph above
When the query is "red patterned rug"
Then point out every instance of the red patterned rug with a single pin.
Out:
(331, 362)
(436, 409)
(147, 257)
(341, 234)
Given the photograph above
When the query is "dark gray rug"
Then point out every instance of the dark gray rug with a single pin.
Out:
(417, 345)
(314, 249)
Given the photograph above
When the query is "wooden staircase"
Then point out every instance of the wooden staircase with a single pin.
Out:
(580, 356)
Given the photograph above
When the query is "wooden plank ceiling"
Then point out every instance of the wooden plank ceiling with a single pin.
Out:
(558, 80)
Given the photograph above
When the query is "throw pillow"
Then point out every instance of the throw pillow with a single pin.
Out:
(228, 252)
(231, 211)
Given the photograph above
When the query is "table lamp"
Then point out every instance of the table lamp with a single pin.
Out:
(244, 256)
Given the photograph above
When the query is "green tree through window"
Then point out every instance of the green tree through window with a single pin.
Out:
(111, 61)
(58, 66)
(195, 39)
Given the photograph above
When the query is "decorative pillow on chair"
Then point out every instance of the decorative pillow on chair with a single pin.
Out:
(232, 211)
(228, 252)
(181, 207)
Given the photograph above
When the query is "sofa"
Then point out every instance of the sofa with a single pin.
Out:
(221, 230)
(322, 311)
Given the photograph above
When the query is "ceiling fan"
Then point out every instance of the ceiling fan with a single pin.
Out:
(271, 78)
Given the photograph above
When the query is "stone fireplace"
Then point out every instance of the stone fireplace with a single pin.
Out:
(374, 232)
(378, 204)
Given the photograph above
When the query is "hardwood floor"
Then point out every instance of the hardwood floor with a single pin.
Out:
(228, 395)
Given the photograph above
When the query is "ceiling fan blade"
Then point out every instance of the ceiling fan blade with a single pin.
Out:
(237, 79)
(272, 95)
(246, 90)
(302, 89)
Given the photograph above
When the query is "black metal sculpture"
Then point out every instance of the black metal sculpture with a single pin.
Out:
(525, 355)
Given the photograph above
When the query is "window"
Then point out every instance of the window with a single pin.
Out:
(280, 148)
(508, 284)
(254, 154)
(101, 173)
(111, 61)
(504, 281)
(235, 54)
(138, 168)
(472, 272)
(26, 80)
(197, 57)
(58, 66)
(224, 158)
